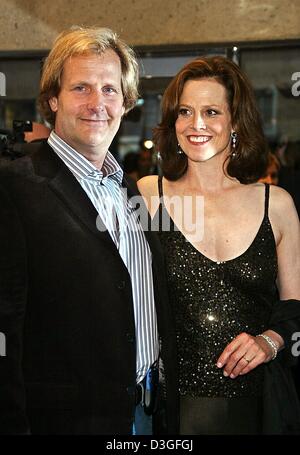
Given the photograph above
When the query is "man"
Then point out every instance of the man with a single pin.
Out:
(82, 295)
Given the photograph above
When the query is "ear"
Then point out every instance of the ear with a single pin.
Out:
(53, 103)
(123, 110)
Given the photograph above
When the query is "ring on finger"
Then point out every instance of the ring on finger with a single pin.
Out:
(247, 360)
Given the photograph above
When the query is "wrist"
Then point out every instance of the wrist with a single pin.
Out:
(272, 344)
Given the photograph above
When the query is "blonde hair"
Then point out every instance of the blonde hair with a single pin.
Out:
(81, 41)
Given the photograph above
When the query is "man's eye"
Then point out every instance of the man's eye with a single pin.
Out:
(109, 90)
(211, 112)
(80, 88)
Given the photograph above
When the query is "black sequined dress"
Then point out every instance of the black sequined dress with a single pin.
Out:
(215, 301)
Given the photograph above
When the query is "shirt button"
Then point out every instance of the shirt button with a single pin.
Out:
(121, 285)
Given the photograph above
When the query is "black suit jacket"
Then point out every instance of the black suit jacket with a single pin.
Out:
(66, 309)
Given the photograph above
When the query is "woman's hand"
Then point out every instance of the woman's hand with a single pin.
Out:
(246, 352)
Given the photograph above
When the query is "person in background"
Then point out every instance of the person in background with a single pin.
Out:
(83, 304)
(138, 165)
(289, 174)
(232, 249)
(145, 162)
(39, 132)
(130, 165)
(272, 172)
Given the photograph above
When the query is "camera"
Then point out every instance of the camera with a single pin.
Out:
(11, 142)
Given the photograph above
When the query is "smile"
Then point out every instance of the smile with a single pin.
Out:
(199, 139)
(94, 120)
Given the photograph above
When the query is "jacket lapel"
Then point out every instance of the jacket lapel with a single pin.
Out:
(62, 182)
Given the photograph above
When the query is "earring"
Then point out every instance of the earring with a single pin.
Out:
(179, 150)
(233, 141)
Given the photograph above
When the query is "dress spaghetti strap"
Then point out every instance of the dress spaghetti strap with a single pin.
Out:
(267, 196)
(160, 187)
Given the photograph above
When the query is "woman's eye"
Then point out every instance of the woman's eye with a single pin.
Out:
(184, 112)
(211, 112)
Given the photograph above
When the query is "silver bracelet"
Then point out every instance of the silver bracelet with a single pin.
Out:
(270, 343)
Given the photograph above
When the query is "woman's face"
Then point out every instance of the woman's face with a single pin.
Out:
(203, 126)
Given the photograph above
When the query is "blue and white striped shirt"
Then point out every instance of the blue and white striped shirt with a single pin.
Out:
(104, 189)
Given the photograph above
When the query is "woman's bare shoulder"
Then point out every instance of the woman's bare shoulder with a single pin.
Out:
(148, 186)
(279, 200)
(282, 210)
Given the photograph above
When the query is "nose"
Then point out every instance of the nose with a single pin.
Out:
(198, 122)
(96, 101)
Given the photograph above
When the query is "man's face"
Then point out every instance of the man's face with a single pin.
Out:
(90, 104)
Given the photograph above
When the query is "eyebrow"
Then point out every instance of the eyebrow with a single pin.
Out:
(205, 106)
(79, 82)
(86, 82)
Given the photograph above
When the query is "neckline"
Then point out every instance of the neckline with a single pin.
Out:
(176, 229)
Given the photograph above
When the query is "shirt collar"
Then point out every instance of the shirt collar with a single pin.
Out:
(83, 168)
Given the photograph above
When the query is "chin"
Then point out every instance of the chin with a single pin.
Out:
(207, 155)
(202, 157)
(94, 140)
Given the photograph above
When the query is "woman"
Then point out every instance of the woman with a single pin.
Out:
(232, 255)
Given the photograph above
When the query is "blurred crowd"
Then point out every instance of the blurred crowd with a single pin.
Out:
(284, 168)
(139, 164)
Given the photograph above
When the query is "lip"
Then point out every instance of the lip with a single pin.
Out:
(201, 140)
(94, 120)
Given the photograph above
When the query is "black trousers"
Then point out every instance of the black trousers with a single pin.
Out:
(220, 416)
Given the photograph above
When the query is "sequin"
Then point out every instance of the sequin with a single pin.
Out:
(215, 301)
